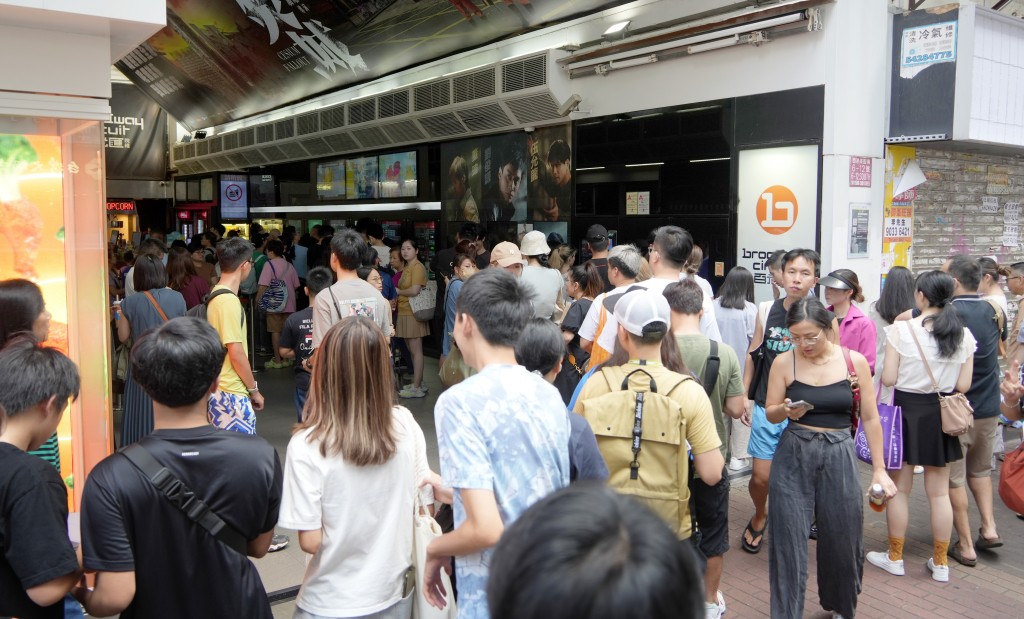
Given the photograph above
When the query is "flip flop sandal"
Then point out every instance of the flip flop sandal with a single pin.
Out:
(754, 534)
(985, 543)
(954, 553)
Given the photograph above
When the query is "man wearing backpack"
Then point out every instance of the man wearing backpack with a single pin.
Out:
(644, 415)
(624, 263)
(719, 370)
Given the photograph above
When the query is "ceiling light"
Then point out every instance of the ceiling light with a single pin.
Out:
(711, 159)
(616, 28)
(639, 165)
(600, 167)
(633, 62)
(710, 45)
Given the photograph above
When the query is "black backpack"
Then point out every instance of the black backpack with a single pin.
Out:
(201, 310)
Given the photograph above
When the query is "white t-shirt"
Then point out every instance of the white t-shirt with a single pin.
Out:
(366, 514)
(606, 339)
(545, 284)
(912, 376)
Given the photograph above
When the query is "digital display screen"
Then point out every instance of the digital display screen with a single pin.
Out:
(361, 178)
(396, 174)
(330, 180)
(234, 196)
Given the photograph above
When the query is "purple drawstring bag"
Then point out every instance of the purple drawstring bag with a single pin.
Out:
(891, 417)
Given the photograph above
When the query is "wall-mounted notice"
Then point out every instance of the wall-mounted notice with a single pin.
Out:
(860, 218)
(632, 197)
(924, 46)
(989, 204)
(860, 171)
(643, 203)
(1011, 223)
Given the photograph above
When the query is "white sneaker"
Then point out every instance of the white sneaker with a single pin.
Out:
(721, 604)
(882, 560)
(712, 611)
(940, 573)
(412, 392)
(918, 469)
(739, 464)
(411, 386)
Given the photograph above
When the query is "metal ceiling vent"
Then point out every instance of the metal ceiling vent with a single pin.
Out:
(500, 97)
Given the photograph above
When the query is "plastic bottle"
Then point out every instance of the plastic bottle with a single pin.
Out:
(877, 497)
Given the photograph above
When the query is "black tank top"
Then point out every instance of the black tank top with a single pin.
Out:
(833, 403)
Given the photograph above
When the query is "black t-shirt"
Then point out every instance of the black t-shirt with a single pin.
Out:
(180, 569)
(297, 334)
(602, 268)
(33, 532)
(572, 322)
(979, 317)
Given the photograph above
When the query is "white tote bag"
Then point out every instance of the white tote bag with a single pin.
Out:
(422, 305)
(425, 530)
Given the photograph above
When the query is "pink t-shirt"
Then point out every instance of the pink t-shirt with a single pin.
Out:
(286, 272)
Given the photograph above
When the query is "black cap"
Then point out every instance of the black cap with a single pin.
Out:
(597, 232)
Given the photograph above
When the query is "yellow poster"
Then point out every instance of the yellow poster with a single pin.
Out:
(898, 211)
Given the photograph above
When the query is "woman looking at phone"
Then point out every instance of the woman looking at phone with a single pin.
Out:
(814, 475)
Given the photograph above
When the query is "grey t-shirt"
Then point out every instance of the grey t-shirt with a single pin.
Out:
(349, 297)
(545, 284)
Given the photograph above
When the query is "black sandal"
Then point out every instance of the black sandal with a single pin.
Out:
(754, 535)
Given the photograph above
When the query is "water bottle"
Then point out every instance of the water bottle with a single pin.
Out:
(877, 497)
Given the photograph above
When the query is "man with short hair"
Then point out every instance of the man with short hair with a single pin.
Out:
(38, 565)
(497, 203)
(237, 397)
(975, 468)
(503, 437)
(373, 233)
(728, 397)
(151, 557)
(643, 318)
(297, 335)
(623, 265)
(557, 183)
(597, 243)
(350, 295)
(507, 256)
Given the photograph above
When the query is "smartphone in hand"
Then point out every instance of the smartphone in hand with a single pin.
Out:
(800, 404)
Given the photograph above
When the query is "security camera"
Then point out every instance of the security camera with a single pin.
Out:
(570, 104)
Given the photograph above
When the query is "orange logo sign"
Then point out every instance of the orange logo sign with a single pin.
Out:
(776, 209)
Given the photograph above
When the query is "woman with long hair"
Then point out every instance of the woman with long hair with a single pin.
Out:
(152, 305)
(408, 327)
(583, 284)
(736, 316)
(183, 277)
(464, 266)
(949, 353)
(897, 297)
(856, 331)
(814, 473)
(23, 313)
(351, 475)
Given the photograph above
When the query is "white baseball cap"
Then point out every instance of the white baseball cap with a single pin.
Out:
(637, 310)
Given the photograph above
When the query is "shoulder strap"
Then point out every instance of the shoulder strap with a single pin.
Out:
(182, 497)
(159, 309)
(924, 358)
(335, 299)
(711, 369)
(217, 293)
(762, 315)
(272, 269)
(999, 317)
(852, 377)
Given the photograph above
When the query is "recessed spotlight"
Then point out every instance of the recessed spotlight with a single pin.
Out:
(616, 28)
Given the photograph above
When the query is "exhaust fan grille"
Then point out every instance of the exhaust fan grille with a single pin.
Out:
(202, 148)
(292, 150)
(333, 118)
(246, 137)
(432, 95)
(179, 152)
(475, 85)
(316, 147)
(484, 117)
(190, 150)
(371, 137)
(308, 123)
(231, 141)
(362, 111)
(341, 142)
(264, 134)
(534, 108)
(404, 131)
(523, 74)
(284, 129)
(216, 144)
(442, 125)
(394, 104)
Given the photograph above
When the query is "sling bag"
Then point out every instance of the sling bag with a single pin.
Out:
(710, 377)
(182, 497)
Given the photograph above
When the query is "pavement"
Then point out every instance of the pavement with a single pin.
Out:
(993, 589)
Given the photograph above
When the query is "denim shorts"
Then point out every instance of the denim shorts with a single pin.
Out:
(764, 435)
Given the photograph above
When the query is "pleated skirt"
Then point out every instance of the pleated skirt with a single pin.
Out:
(137, 420)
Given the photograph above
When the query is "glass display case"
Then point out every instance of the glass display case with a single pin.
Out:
(53, 207)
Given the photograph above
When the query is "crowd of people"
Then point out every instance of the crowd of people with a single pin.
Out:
(592, 415)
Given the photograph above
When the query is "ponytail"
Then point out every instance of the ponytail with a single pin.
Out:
(947, 329)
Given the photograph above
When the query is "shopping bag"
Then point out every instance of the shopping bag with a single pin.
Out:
(891, 417)
(426, 530)
(423, 304)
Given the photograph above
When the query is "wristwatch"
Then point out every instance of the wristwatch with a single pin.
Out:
(254, 389)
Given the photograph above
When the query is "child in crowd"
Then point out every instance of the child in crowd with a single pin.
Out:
(38, 566)
(297, 335)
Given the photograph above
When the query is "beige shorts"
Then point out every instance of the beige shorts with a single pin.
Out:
(977, 446)
(275, 322)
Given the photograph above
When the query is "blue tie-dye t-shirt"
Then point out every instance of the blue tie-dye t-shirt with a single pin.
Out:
(503, 430)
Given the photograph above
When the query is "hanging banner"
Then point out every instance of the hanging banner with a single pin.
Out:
(135, 136)
(901, 174)
(778, 207)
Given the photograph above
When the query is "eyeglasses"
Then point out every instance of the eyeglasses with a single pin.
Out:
(1015, 277)
(810, 341)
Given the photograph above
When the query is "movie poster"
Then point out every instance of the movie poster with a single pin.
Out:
(550, 173)
(361, 178)
(460, 178)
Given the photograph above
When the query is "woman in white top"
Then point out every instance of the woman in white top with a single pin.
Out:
(736, 316)
(949, 354)
(350, 480)
(546, 283)
(990, 289)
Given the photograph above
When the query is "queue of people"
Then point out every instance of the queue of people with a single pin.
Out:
(585, 384)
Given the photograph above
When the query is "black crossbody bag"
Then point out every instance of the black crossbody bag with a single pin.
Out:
(182, 497)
